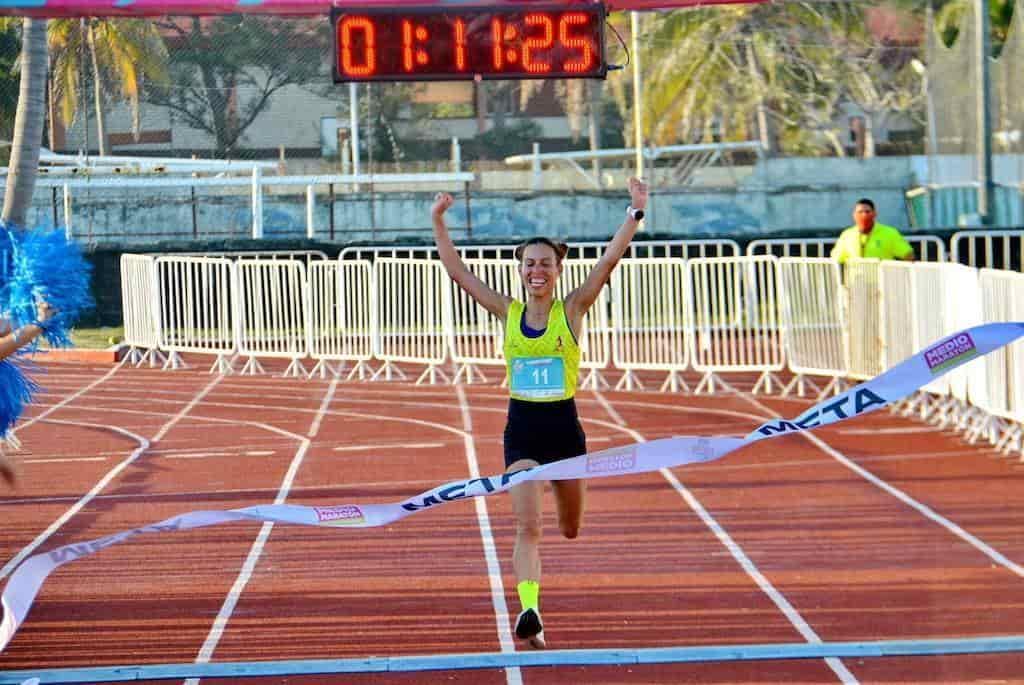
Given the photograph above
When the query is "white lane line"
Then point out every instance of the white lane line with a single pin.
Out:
(513, 675)
(103, 482)
(873, 459)
(208, 448)
(62, 460)
(67, 400)
(256, 550)
(780, 601)
(193, 495)
(791, 614)
(923, 509)
(259, 453)
(888, 431)
(409, 446)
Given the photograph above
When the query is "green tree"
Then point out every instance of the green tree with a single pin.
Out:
(224, 70)
(949, 16)
(778, 73)
(119, 54)
(9, 50)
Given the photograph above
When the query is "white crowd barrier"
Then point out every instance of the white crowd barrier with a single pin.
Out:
(650, 322)
(864, 301)
(814, 321)
(1001, 249)
(477, 337)
(272, 313)
(595, 336)
(341, 322)
(713, 316)
(1003, 300)
(735, 315)
(413, 314)
(140, 304)
(197, 308)
(927, 248)
(683, 249)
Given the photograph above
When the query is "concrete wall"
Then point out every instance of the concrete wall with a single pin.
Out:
(777, 196)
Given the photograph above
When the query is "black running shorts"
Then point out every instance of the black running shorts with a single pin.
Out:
(543, 431)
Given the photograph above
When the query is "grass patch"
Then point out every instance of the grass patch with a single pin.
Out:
(96, 338)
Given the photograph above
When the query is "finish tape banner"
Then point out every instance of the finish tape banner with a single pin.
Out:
(895, 384)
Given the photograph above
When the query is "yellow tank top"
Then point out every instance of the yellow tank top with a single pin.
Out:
(541, 369)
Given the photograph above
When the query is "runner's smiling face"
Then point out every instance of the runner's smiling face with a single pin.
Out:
(540, 269)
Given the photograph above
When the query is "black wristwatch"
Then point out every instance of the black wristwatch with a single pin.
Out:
(635, 214)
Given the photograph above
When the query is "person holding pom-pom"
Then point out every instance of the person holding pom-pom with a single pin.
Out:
(15, 387)
(13, 340)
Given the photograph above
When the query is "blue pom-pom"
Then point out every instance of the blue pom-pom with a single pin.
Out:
(44, 265)
(6, 263)
(16, 390)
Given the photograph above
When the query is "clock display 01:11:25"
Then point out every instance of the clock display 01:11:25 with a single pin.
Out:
(465, 43)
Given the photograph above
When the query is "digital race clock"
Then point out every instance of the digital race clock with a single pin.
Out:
(434, 43)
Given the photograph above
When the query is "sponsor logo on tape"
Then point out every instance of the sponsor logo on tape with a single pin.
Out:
(612, 461)
(345, 515)
(950, 352)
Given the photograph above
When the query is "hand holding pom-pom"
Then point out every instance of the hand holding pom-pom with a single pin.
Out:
(44, 313)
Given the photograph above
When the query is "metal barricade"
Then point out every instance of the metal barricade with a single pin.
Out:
(863, 296)
(595, 338)
(583, 250)
(197, 309)
(649, 321)
(1002, 294)
(898, 322)
(476, 336)
(927, 248)
(413, 312)
(341, 325)
(814, 321)
(791, 247)
(989, 249)
(140, 309)
(735, 318)
(272, 313)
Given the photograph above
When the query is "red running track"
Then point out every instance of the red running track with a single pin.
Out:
(847, 535)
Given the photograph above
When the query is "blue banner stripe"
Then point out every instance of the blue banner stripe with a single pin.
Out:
(496, 660)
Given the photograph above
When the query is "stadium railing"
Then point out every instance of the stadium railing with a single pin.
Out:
(927, 248)
(988, 249)
(685, 249)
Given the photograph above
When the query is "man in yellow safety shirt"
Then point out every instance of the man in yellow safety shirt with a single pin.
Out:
(868, 239)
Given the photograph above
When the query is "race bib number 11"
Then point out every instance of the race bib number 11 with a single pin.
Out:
(538, 377)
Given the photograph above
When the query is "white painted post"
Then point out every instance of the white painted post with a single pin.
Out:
(456, 156)
(638, 117)
(257, 204)
(67, 211)
(310, 206)
(536, 167)
(353, 117)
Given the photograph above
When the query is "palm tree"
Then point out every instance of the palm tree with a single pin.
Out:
(950, 15)
(28, 123)
(121, 52)
(744, 72)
